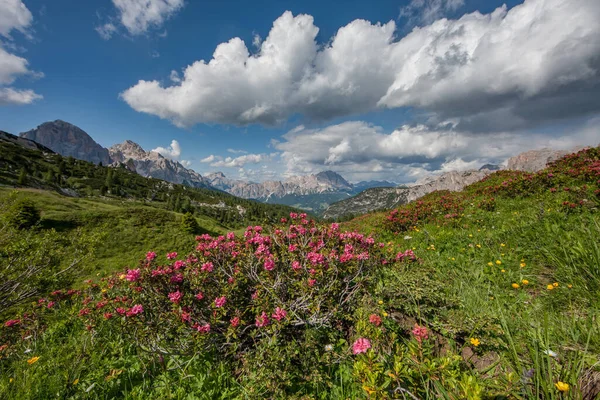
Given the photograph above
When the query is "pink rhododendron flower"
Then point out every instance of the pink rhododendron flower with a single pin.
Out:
(220, 301)
(12, 322)
(150, 256)
(262, 320)
(121, 311)
(254, 296)
(311, 282)
(207, 267)
(361, 346)
(51, 304)
(84, 311)
(279, 314)
(296, 265)
(175, 297)
(177, 278)
(185, 316)
(420, 333)
(375, 319)
(202, 328)
(199, 296)
(269, 264)
(108, 315)
(235, 321)
(135, 310)
(172, 256)
(133, 275)
(179, 264)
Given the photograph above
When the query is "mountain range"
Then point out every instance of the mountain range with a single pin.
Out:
(311, 192)
(326, 193)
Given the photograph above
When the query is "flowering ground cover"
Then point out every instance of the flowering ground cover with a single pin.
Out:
(485, 294)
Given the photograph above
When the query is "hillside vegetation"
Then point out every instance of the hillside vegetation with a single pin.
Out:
(489, 293)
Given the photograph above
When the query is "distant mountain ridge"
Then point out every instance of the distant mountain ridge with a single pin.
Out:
(311, 192)
(153, 164)
(386, 198)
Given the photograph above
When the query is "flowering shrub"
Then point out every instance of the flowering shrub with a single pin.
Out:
(233, 295)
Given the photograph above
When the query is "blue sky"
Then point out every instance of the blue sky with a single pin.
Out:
(348, 124)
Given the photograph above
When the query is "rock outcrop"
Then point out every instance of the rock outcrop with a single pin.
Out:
(534, 160)
(68, 140)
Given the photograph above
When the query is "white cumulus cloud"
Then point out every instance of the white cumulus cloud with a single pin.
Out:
(469, 70)
(14, 15)
(139, 16)
(172, 152)
(361, 151)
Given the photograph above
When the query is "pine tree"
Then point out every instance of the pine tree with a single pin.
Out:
(189, 223)
(22, 177)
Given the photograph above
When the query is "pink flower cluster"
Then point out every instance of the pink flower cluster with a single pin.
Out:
(220, 301)
(172, 256)
(420, 333)
(151, 255)
(176, 297)
(407, 255)
(375, 319)
(361, 345)
(262, 320)
(133, 275)
(279, 314)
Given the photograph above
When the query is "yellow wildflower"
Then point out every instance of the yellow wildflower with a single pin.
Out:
(453, 259)
(525, 282)
(380, 301)
(385, 314)
(522, 265)
(498, 262)
(76, 381)
(550, 287)
(122, 276)
(490, 263)
(32, 360)
(470, 235)
(502, 245)
(478, 245)
(502, 270)
(562, 386)
(569, 286)
(103, 290)
(475, 342)
(555, 284)
(515, 285)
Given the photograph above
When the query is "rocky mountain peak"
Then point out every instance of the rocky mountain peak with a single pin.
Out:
(334, 179)
(69, 140)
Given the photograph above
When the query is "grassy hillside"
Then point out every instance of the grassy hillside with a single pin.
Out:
(491, 293)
